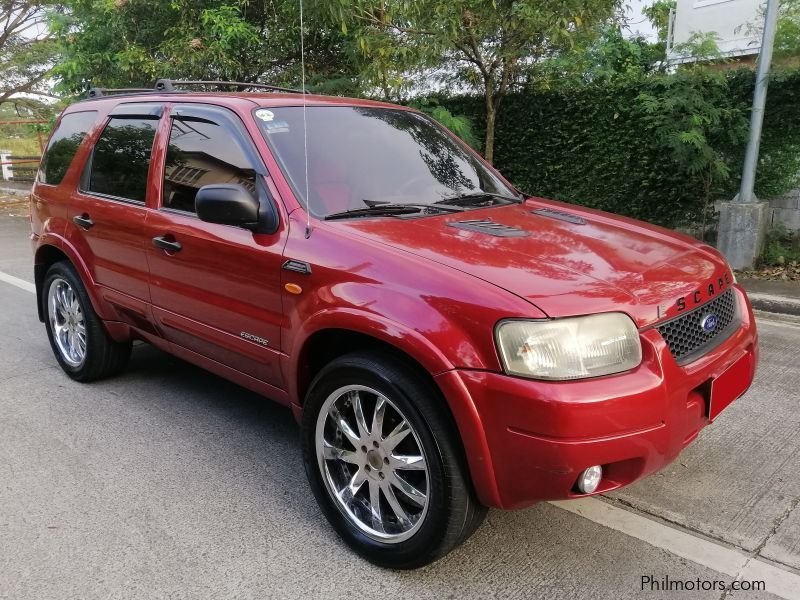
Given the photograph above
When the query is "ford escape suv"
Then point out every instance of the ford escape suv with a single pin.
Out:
(447, 343)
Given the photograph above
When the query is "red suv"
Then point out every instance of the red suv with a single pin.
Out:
(446, 343)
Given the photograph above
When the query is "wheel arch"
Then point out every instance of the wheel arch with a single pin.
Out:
(51, 252)
(327, 343)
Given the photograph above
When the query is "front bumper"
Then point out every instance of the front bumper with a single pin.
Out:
(538, 436)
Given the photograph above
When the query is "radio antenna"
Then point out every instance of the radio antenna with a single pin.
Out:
(305, 122)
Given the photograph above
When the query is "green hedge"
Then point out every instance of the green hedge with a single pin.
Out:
(604, 146)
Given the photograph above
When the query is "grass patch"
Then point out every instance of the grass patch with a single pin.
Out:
(20, 146)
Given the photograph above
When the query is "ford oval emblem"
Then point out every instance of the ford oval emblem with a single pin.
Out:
(709, 323)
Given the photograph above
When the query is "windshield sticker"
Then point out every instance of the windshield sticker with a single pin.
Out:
(265, 115)
(275, 126)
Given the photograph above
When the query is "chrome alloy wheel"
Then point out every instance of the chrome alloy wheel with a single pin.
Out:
(374, 468)
(67, 322)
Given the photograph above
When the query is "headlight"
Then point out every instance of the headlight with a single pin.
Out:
(570, 348)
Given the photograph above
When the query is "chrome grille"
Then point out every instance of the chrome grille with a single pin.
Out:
(685, 336)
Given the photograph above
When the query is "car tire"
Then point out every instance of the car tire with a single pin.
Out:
(398, 526)
(77, 336)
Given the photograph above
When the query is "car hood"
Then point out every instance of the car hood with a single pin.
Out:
(567, 260)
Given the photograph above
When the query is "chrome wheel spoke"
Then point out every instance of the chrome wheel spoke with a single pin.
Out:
(409, 491)
(397, 435)
(375, 505)
(60, 294)
(408, 463)
(358, 410)
(331, 452)
(395, 505)
(377, 417)
(348, 492)
(344, 426)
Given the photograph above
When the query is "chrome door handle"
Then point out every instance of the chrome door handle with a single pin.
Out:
(167, 244)
(83, 221)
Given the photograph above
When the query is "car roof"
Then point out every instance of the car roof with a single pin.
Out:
(267, 99)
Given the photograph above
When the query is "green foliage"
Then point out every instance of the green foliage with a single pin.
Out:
(130, 43)
(489, 46)
(26, 49)
(614, 56)
(694, 119)
(787, 37)
(779, 158)
(658, 15)
(458, 124)
(658, 148)
(781, 247)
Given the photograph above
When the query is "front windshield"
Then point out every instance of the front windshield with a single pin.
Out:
(364, 157)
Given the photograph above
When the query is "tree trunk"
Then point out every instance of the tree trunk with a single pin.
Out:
(491, 118)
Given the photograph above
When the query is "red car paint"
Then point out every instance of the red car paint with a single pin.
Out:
(431, 291)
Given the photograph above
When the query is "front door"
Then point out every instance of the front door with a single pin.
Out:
(215, 289)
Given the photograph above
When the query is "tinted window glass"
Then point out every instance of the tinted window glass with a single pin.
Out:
(121, 158)
(63, 145)
(201, 152)
(360, 155)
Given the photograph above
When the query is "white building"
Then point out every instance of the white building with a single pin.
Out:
(734, 24)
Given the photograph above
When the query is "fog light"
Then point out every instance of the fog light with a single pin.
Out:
(590, 479)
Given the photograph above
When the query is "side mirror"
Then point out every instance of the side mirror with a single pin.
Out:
(227, 204)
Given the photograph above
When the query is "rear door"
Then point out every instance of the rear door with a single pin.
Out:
(216, 291)
(107, 210)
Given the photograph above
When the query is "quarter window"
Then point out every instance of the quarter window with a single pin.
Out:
(121, 158)
(63, 145)
(201, 152)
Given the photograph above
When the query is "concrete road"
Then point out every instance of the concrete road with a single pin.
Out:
(168, 482)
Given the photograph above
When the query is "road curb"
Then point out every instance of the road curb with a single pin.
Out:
(774, 303)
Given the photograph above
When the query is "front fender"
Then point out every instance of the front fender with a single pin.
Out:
(367, 323)
(424, 352)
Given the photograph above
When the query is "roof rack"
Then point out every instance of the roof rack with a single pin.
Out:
(169, 85)
(173, 85)
(97, 92)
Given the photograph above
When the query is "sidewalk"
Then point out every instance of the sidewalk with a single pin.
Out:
(773, 296)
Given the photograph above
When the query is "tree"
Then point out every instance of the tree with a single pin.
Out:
(694, 116)
(787, 37)
(489, 46)
(658, 14)
(131, 43)
(27, 48)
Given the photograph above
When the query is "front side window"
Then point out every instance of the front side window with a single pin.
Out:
(361, 157)
(121, 158)
(202, 152)
(63, 145)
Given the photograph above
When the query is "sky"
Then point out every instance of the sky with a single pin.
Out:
(638, 23)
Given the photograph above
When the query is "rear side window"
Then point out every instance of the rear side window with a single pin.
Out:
(201, 152)
(63, 145)
(121, 158)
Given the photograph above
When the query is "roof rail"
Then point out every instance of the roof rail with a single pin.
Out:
(97, 92)
(169, 85)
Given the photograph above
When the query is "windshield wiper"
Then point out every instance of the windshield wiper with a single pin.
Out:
(387, 209)
(472, 198)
